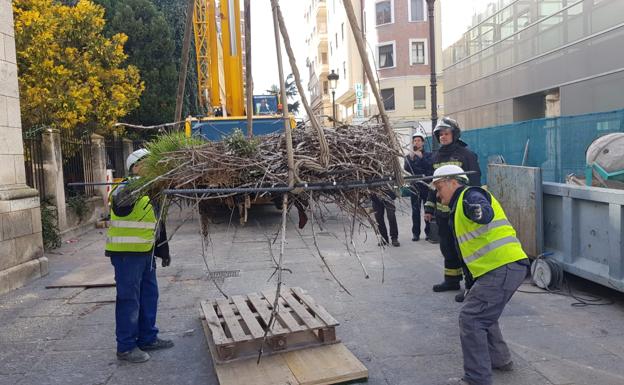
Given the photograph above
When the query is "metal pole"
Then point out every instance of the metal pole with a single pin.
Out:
(432, 66)
(334, 107)
(248, 78)
(186, 46)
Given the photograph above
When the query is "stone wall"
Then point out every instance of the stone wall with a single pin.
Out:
(21, 245)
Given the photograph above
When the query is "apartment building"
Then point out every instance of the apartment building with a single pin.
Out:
(528, 59)
(332, 47)
(402, 60)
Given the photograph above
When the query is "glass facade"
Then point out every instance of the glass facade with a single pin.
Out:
(522, 47)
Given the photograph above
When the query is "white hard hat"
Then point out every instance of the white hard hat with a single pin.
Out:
(419, 135)
(135, 157)
(448, 171)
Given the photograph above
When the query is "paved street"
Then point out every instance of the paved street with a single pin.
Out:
(403, 332)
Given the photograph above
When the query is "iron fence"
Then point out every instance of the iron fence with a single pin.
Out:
(77, 164)
(114, 157)
(33, 163)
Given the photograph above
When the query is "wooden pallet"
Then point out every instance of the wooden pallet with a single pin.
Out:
(236, 327)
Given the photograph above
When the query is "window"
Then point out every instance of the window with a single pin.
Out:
(383, 12)
(336, 40)
(416, 10)
(342, 30)
(323, 57)
(387, 95)
(325, 87)
(386, 55)
(418, 51)
(344, 69)
(331, 49)
(420, 99)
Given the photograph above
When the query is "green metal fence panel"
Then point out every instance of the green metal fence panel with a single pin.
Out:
(557, 145)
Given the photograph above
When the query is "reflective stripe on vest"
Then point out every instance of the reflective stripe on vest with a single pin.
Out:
(486, 247)
(134, 232)
(128, 240)
(134, 225)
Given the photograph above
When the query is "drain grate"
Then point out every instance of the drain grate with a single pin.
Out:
(222, 274)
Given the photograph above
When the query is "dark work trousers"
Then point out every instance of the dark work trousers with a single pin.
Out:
(417, 202)
(136, 302)
(380, 206)
(482, 343)
(452, 264)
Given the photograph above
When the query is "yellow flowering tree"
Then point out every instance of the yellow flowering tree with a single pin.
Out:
(71, 76)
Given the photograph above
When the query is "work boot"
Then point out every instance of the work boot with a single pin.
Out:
(446, 286)
(157, 345)
(396, 243)
(134, 356)
(457, 381)
(508, 367)
(416, 238)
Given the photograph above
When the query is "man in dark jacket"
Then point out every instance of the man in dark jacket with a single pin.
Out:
(453, 151)
(384, 201)
(418, 162)
(135, 237)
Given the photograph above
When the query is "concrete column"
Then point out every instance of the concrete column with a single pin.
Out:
(21, 244)
(128, 148)
(98, 151)
(53, 173)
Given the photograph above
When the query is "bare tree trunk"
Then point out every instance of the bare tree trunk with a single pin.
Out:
(248, 77)
(284, 100)
(324, 148)
(186, 45)
(357, 33)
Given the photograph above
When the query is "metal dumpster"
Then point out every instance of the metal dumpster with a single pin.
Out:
(583, 228)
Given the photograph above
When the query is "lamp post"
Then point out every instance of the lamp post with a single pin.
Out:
(333, 81)
(432, 66)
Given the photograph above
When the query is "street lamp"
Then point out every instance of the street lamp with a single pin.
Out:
(432, 67)
(333, 81)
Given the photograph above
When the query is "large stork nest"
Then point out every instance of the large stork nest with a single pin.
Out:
(357, 153)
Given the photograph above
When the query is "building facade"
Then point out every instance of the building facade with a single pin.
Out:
(402, 60)
(528, 59)
(21, 245)
(332, 47)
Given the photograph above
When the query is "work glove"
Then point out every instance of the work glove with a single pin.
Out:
(474, 211)
(166, 260)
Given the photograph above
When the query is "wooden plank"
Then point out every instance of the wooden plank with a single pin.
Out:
(93, 275)
(301, 311)
(265, 313)
(272, 370)
(250, 320)
(216, 330)
(318, 309)
(238, 334)
(329, 364)
(283, 314)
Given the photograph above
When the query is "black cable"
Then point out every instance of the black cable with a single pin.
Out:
(558, 283)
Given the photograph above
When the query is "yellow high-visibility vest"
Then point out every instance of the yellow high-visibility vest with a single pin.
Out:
(134, 232)
(486, 247)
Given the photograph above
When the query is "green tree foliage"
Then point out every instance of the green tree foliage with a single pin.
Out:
(291, 92)
(174, 12)
(71, 76)
(150, 48)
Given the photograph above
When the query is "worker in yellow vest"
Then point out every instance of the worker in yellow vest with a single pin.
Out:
(134, 239)
(494, 258)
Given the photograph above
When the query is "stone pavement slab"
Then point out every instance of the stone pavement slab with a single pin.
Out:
(402, 331)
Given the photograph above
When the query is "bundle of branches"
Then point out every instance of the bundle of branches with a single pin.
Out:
(357, 153)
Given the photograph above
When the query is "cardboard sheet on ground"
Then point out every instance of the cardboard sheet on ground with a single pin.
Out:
(321, 365)
(93, 275)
